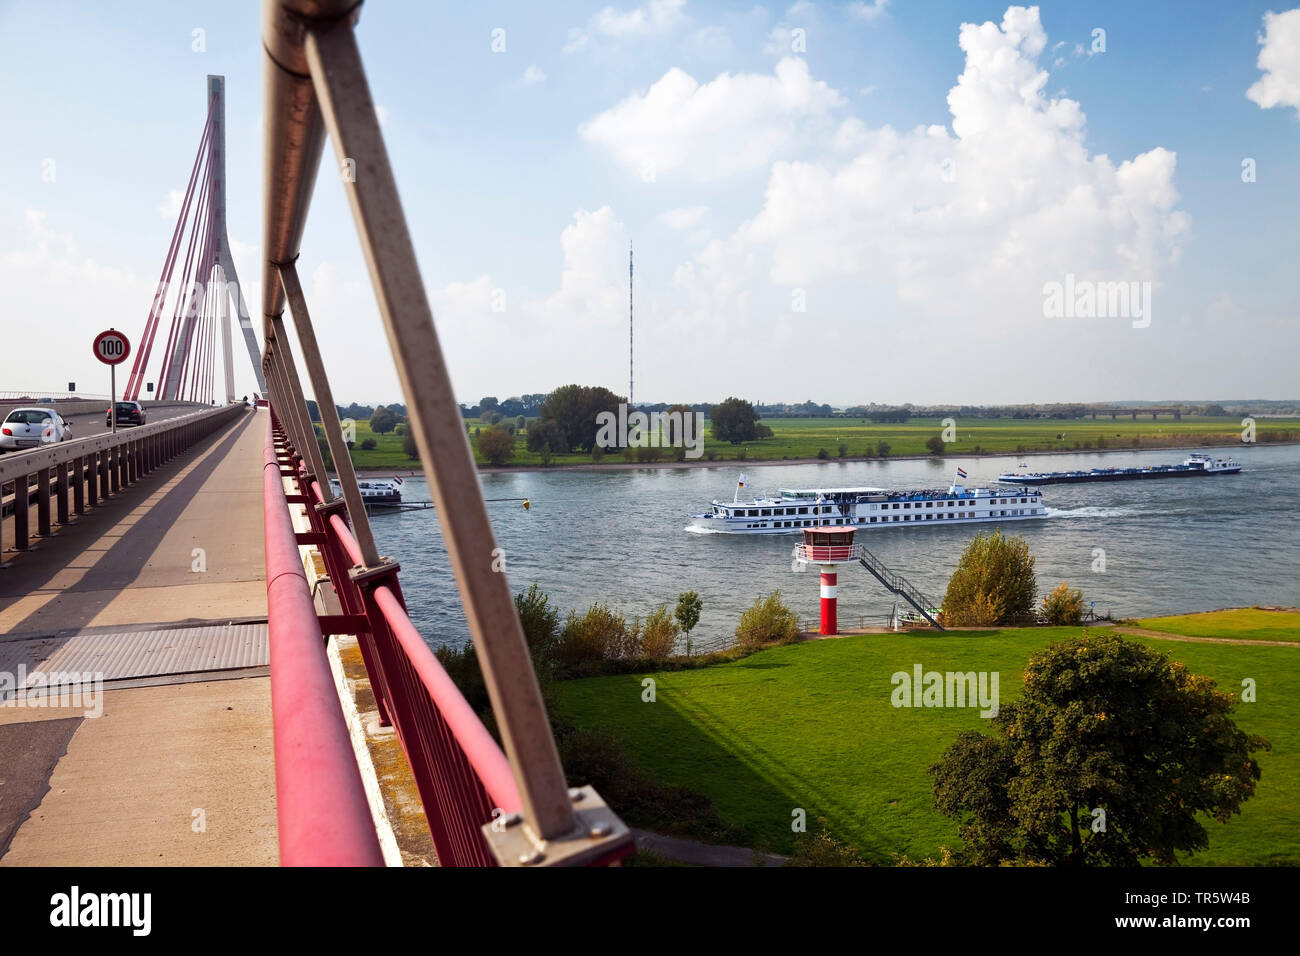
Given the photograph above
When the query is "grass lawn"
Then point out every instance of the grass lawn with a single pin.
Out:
(811, 726)
(1250, 623)
(804, 437)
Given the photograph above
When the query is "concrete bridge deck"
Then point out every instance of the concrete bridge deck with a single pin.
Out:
(179, 766)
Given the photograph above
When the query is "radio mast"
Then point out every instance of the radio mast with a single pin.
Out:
(629, 323)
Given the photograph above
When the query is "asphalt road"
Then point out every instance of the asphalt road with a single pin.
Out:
(90, 424)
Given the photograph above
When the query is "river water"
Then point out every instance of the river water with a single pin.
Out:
(1170, 545)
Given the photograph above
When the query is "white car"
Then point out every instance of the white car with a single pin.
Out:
(30, 427)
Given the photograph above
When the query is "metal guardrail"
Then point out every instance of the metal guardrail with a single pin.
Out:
(91, 469)
(315, 84)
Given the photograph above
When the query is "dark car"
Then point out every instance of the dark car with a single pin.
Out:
(128, 413)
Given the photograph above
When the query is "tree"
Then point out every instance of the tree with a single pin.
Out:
(547, 434)
(574, 408)
(382, 421)
(935, 444)
(882, 449)
(519, 422)
(687, 614)
(1107, 758)
(994, 582)
(497, 445)
(734, 420)
(489, 404)
(409, 447)
(767, 621)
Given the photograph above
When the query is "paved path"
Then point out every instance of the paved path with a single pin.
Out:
(133, 559)
(179, 772)
(1166, 636)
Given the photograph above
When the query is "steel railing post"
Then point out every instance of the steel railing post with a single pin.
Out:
(43, 503)
(329, 415)
(61, 477)
(79, 486)
(349, 115)
(22, 509)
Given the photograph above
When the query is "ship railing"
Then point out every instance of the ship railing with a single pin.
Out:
(828, 553)
(316, 85)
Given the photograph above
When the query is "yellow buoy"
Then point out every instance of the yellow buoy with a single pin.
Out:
(527, 505)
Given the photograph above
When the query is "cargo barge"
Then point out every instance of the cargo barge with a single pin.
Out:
(1194, 466)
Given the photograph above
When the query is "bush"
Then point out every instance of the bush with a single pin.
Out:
(1063, 606)
(369, 444)
(935, 444)
(541, 623)
(994, 583)
(740, 455)
(659, 634)
(599, 635)
(597, 453)
(882, 449)
(409, 448)
(768, 621)
(823, 454)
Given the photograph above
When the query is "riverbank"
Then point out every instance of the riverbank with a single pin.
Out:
(755, 462)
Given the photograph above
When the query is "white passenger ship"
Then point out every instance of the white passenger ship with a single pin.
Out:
(795, 508)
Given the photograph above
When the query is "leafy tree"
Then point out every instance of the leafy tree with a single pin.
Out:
(409, 448)
(935, 444)
(369, 444)
(492, 418)
(687, 614)
(843, 450)
(488, 404)
(734, 420)
(1103, 724)
(767, 621)
(382, 421)
(549, 434)
(497, 445)
(823, 454)
(1063, 606)
(882, 449)
(573, 408)
(520, 422)
(994, 582)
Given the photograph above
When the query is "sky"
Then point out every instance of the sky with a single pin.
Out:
(848, 202)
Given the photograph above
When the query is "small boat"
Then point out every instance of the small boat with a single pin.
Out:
(375, 492)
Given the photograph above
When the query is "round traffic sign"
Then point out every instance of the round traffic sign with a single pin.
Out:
(111, 347)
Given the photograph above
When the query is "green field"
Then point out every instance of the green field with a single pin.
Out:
(796, 438)
(1249, 623)
(811, 726)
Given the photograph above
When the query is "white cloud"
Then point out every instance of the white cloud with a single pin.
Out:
(532, 76)
(868, 11)
(654, 18)
(734, 122)
(974, 220)
(1279, 59)
(685, 217)
(170, 207)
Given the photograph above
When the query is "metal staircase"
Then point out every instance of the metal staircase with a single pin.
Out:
(897, 584)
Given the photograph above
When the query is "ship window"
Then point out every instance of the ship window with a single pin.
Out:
(929, 504)
(1022, 501)
(803, 511)
(895, 517)
(907, 504)
(766, 512)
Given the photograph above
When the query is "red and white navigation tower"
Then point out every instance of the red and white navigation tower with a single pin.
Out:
(827, 548)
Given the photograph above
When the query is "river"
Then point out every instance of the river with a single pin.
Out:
(1170, 546)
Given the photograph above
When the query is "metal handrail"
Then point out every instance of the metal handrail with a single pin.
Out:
(320, 802)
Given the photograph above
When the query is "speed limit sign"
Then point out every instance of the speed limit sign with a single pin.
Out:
(111, 347)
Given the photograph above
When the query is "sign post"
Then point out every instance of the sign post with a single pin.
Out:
(111, 348)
